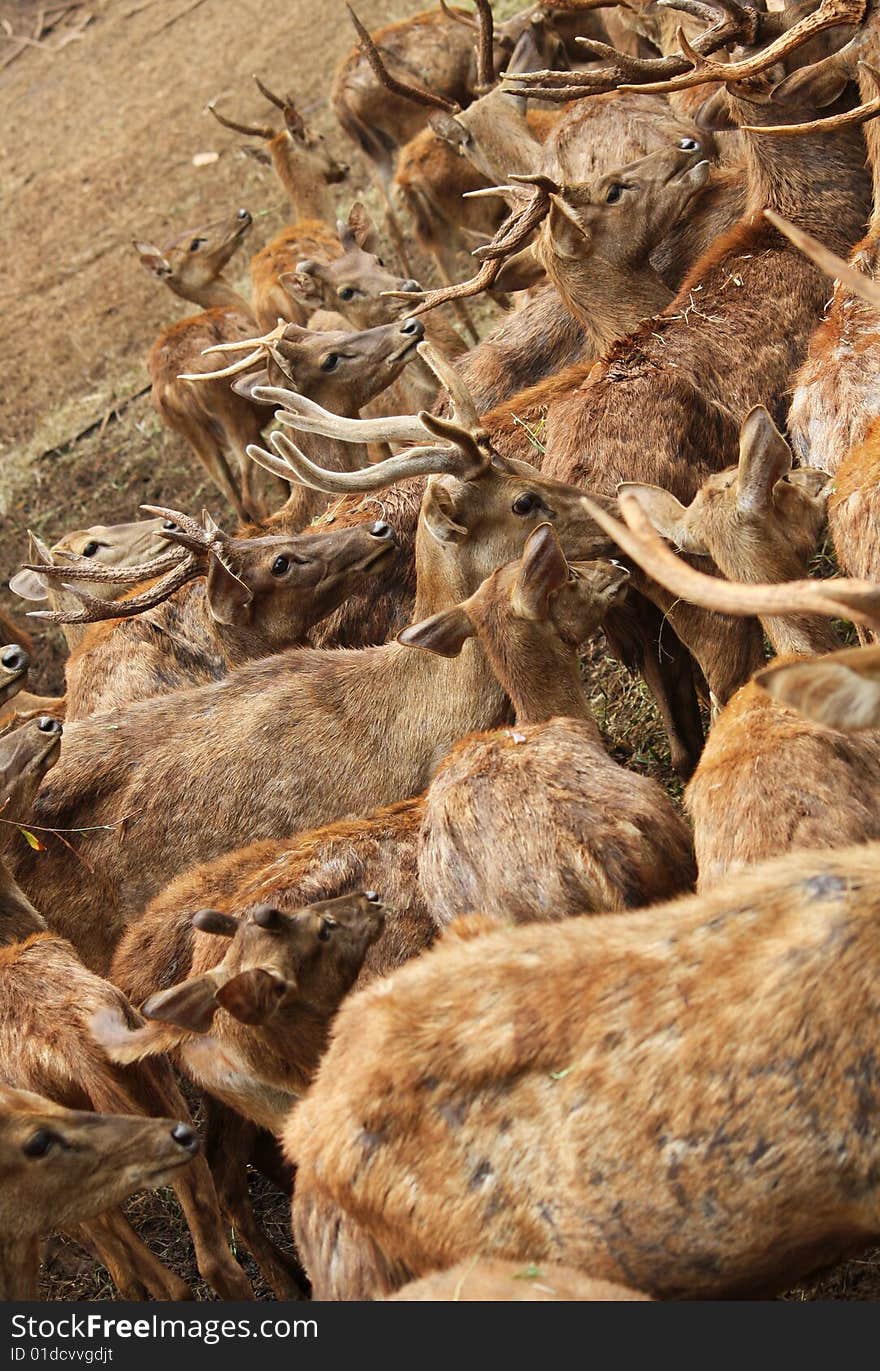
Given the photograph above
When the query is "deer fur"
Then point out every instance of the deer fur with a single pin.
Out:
(592, 1137)
(517, 1282)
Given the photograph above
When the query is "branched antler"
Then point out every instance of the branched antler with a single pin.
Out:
(868, 109)
(512, 236)
(260, 348)
(465, 451)
(417, 94)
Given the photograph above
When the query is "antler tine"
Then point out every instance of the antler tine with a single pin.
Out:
(308, 417)
(244, 364)
(94, 610)
(417, 461)
(278, 101)
(464, 409)
(184, 522)
(829, 14)
(464, 19)
(250, 130)
(860, 285)
(273, 336)
(641, 542)
(83, 569)
(510, 238)
(485, 47)
(869, 109)
(415, 93)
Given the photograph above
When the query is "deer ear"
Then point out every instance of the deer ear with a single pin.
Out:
(714, 113)
(253, 996)
(190, 1005)
(764, 457)
(301, 286)
(445, 633)
(818, 85)
(570, 239)
(154, 261)
(543, 569)
(813, 480)
(519, 271)
(668, 516)
(363, 228)
(229, 599)
(841, 690)
(29, 585)
(438, 515)
(246, 385)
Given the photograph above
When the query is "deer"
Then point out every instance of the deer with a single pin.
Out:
(64, 1166)
(256, 596)
(409, 708)
(382, 847)
(307, 172)
(537, 821)
(514, 1281)
(47, 999)
(105, 545)
(768, 781)
(249, 1024)
(215, 421)
(339, 369)
(417, 1147)
(14, 666)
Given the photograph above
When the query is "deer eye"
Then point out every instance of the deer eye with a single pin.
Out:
(196, 244)
(379, 260)
(327, 927)
(39, 1143)
(524, 504)
(613, 193)
(280, 565)
(688, 145)
(330, 362)
(346, 293)
(90, 548)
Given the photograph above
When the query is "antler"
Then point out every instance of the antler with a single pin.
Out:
(513, 235)
(260, 346)
(728, 21)
(829, 14)
(857, 600)
(860, 285)
(869, 109)
(417, 94)
(467, 454)
(200, 541)
(292, 118)
(485, 48)
(251, 130)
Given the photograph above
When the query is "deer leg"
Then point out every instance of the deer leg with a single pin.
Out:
(209, 450)
(135, 1271)
(228, 1143)
(157, 1091)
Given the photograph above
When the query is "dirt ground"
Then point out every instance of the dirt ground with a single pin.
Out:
(102, 113)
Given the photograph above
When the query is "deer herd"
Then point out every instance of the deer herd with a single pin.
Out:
(323, 840)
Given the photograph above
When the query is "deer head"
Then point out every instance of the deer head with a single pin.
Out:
(192, 263)
(355, 283)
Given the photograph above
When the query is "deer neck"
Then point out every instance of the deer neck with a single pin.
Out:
(554, 691)
(306, 189)
(217, 294)
(611, 304)
(18, 918)
(804, 634)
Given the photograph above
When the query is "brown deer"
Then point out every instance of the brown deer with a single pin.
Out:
(522, 1281)
(768, 781)
(256, 597)
(594, 1136)
(47, 997)
(537, 821)
(248, 1026)
(306, 171)
(361, 729)
(113, 545)
(62, 1166)
(215, 421)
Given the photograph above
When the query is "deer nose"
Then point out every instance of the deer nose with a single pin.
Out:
(186, 1136)
(382, 530)
(371, 896)
(15, 658)
(411, 286)
(413, 328)
(49, 725)
(244, 215)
